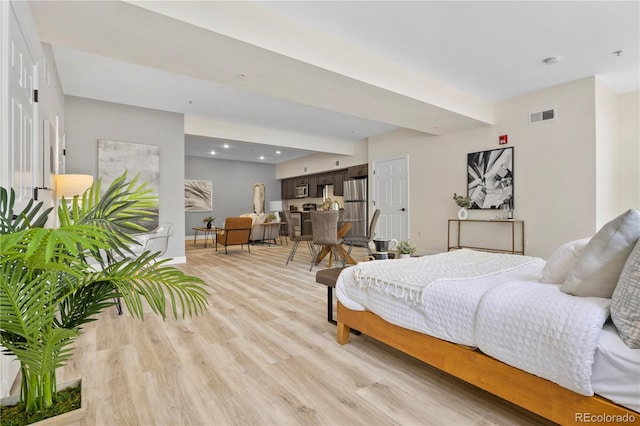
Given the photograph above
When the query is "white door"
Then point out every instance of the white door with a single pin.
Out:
(20, 164)
(390, 195)
(17, 133)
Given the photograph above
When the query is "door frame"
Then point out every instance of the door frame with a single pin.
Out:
(373, 187)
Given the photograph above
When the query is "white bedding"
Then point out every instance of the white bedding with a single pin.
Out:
(616, 369)
(539, 329)
(430, 312)
(451, 309)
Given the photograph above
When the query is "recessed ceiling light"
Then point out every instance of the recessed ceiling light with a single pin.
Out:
(262, 157)
(213, 153)
(226, 145)
(551, 60)
(278, 152)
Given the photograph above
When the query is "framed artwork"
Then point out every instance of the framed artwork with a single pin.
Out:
(198, 195)
(114, 157)
(490, 178)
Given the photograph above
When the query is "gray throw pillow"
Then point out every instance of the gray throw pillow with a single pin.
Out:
(625, 303)
(597, 269)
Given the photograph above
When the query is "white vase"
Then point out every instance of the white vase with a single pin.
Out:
(404, 255)
(462, 213)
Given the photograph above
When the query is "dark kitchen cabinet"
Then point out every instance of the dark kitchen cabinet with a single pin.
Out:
(314, 190)
(360, 171)
(288, 188)
(338, 182)
(325, 178)
(301, 180)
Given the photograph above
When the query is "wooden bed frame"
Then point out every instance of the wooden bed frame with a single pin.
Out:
(528, 391)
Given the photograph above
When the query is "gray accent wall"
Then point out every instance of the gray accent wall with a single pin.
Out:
(88, 120)
(232, 187)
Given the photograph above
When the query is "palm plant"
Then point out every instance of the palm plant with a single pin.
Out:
(56, 280)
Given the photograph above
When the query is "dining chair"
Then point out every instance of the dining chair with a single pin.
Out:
(364, 241)
(325, 236)
(154, 241)
(295, 239)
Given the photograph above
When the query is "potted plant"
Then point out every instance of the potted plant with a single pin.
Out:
(56, 280)
(464, 203)
(208, 221)
(405, 248)
(270, 218)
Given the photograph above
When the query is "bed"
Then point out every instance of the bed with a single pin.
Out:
(513, 325)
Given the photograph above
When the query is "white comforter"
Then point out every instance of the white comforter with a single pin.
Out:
(541, 330)
(436, 295)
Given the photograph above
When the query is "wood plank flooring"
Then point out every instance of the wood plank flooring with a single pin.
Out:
(263, 354)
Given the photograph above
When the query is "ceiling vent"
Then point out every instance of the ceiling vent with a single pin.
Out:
(539, 117)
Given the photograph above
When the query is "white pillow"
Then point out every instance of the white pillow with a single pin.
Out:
(562, 260)
(625, 303)
(597, 269)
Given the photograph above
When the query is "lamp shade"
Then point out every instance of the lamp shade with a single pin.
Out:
(69, 186)
(275, 206)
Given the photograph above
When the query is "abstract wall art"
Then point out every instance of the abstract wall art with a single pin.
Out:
(490, 178)
(198, 195)
(114, 157)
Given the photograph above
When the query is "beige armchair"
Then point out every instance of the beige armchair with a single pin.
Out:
(236, 231)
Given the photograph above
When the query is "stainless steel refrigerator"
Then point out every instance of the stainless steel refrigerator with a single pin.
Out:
(355, 206)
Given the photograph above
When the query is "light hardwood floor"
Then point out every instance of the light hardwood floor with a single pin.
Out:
(263, 354)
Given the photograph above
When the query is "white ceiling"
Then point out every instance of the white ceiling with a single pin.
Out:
(303, 77)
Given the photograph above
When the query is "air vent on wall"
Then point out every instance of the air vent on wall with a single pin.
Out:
(539, 117)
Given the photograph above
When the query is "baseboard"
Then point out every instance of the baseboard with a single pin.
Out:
(176, 260)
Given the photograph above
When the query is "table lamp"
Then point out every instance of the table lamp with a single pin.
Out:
(70, 185)
(276, 208)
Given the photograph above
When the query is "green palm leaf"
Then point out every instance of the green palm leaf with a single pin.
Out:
(49, 288)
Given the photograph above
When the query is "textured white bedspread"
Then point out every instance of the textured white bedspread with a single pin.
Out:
(537, 328)
(436, 295)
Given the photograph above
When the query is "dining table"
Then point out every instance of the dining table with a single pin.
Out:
(342, 231)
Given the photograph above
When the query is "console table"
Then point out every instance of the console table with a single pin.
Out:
(516, 225)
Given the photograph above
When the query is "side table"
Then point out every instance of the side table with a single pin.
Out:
(213, 230)
(265, 225)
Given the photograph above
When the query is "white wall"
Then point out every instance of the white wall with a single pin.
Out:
(629, 150)
(607, 147)
(317, 163)
(88, 120)
(555, 168)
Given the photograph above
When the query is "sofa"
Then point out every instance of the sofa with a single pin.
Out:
(260, 232)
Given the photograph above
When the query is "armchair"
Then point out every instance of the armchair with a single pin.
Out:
(236, 231)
